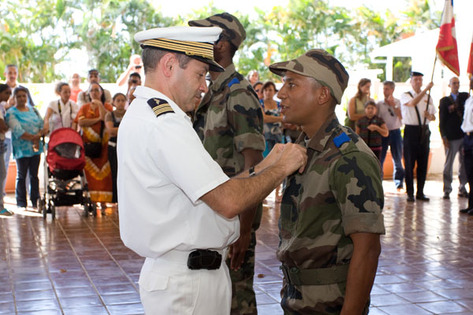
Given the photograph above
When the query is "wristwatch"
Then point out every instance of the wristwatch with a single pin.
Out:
(251, 171)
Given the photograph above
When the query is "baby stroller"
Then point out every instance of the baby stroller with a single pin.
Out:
(64, 177)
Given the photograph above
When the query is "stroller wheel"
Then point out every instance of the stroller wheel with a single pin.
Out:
(42, 208)
(86, 209)
(94, 209)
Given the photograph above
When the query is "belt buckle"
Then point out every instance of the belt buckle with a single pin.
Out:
(204, 259)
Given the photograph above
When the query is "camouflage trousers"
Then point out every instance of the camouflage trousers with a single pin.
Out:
(243, 295)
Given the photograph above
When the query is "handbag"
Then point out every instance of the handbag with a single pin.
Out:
(94, 149)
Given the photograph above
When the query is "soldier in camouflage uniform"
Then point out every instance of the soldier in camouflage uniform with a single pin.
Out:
(331, 218)
(229, 122)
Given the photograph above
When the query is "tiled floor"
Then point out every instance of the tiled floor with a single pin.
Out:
(77, 265)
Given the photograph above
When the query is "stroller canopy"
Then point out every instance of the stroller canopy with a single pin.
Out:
(65, 150)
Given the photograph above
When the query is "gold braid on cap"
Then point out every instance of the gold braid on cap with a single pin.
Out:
(200, 49)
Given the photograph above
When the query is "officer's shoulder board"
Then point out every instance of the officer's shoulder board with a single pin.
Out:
(159, 106)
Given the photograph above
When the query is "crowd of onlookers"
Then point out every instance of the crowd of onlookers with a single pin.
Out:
(399, 124)
(93, 112)
(380, 123)
(96, 115)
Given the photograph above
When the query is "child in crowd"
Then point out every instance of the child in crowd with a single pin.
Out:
(112, 121)
(372, 128)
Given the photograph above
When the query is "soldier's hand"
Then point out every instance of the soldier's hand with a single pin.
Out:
(293, 158)
(238, 250)
(429, 86)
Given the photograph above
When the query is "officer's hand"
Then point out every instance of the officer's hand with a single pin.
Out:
(293, 158)
(273, 156)
(429, 86)
(238, 250)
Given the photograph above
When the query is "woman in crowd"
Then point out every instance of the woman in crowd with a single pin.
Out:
(62, 112)
(258, 87)
(97, 169)
(27, 129)
(75, 89)
(112, 121)
(130, 96)
(271, 116)
(5, 93)
(253, 77)
(356, 105)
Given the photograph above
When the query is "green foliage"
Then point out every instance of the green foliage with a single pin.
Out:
(38, 34)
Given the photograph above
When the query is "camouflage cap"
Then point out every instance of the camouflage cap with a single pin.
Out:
(231, 26)
(320, 65)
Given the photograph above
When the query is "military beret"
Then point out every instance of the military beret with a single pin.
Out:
(231, 26)
(320, 65)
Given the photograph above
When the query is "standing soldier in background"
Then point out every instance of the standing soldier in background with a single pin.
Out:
(331, 218)
(229, 122)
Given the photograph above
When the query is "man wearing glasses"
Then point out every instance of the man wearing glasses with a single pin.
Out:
(389, 109)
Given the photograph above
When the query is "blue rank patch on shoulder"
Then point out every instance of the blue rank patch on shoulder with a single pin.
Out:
(160, 106)
(341, 139)
(233, 81)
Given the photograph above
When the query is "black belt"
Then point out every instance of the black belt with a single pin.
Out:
(319, 276)
(204, 259)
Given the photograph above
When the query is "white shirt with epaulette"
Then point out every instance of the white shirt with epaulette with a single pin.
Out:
(163, 170)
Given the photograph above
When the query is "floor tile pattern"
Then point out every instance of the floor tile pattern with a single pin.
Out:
(78, 265)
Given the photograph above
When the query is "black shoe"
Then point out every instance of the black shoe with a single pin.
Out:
(463, 194)
(446, 196)
(470, 212)
(410, 198)
(422, 198)
(467, 210)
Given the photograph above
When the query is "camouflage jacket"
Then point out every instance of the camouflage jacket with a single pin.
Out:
(229, 119)
(339, 193)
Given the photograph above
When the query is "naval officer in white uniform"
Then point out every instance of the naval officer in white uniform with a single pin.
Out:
(177, 208)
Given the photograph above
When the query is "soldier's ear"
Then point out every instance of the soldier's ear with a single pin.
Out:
(221, 45)
(325, 96)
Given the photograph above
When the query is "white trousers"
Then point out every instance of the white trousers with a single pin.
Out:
(168, 286)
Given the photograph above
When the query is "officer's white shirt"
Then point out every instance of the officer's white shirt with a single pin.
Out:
(467, 125)
(388, 114)
(409, 116)
(163, 170)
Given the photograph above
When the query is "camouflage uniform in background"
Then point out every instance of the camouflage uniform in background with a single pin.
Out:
(339, 193)
(228, 121)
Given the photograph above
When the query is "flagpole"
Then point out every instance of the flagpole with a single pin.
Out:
(433, 70)
(431, 80)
